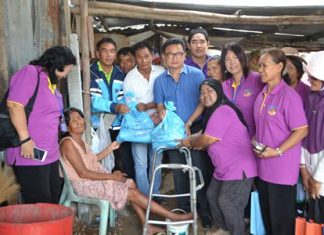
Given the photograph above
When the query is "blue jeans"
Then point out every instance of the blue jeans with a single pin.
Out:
(143, 161)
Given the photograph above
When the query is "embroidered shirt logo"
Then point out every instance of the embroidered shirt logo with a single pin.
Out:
(247, 92)
(272, 110)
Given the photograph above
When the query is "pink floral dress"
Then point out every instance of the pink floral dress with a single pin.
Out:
(113, 191)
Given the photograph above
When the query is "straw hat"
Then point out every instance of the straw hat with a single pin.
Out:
(315, 66)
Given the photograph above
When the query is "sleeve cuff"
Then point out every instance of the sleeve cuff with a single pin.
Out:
(113, 107)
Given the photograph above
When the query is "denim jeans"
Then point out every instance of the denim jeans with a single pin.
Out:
(143, 160)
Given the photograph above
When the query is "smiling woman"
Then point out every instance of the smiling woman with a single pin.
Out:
(226, 138)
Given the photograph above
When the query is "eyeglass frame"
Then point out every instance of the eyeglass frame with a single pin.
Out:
(171, 55)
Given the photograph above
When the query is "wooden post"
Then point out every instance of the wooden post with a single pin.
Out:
(85, 68)
(4, 76)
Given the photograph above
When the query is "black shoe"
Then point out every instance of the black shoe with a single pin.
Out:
(206, 221)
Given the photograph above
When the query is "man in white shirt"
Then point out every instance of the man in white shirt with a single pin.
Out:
(140, 81)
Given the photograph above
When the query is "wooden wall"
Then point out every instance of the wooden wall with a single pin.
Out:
(27, 28)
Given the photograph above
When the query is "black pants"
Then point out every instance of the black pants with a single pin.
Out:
(316, 209)
(123, 156)
(39, 183)
(278, 207)
(201, 160)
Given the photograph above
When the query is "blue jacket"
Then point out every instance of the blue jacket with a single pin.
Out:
(104, 96)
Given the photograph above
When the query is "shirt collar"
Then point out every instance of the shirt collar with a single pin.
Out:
(101, 69)
(183, 70)
(277, 89)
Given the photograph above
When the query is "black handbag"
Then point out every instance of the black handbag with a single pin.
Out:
(8, 134)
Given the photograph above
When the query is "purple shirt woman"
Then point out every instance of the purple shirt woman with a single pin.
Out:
(39, 181)
(226, 138)
(241, 86)
(280, 126)
(312, 162)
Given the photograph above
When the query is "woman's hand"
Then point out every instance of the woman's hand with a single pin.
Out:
(187, 127)
(114, 145)
(27, 149)
(267, 152)
(306, 176)
(185, 143)
(118, 176)
(315, 187)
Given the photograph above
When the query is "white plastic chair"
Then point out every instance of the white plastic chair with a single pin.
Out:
(68, 196)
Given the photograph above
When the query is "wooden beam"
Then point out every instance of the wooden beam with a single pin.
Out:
(151, 13)
(85, 68)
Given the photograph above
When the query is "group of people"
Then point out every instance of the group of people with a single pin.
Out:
(244, 128)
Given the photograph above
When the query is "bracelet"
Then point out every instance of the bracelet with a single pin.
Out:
(279, 151)
(25, 140)
(302, 166)
(189, 123)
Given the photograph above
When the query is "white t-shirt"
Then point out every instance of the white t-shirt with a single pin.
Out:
(142, 88)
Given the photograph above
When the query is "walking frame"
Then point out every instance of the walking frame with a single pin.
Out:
(192, 183)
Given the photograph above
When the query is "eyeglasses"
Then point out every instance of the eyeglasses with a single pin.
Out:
(171, 55)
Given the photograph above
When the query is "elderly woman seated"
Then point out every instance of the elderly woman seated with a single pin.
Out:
(90, 179)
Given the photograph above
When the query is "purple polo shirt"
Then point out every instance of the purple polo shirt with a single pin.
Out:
(232, 155)
(245, 96)
(44, 119)
(276, 115)
(190, 62)
(303, 90)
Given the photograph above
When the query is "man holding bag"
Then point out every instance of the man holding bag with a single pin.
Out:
(140, 81)
(180, 84)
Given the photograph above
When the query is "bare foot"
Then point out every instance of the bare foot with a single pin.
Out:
(151, 230)
(180, 217)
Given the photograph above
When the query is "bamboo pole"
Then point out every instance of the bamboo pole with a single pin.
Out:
(137, 12)
(85, 67)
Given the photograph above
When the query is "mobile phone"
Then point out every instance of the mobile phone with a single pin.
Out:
(39, 154)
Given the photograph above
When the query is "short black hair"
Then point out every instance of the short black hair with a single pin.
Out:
(105, 40)
(55, 58)
(173, 41)
(125, 51)
(142, 45)
(197, 30)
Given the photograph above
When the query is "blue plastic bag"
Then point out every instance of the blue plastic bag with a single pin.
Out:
(256, 222)
(136, 126)
(171, 129)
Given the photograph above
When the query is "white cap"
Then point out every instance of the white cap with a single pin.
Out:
(315, 66)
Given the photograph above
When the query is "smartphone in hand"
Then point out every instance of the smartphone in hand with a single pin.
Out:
(39, 154)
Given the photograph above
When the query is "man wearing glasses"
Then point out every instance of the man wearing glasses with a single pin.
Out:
(180, 84)
(198, 45)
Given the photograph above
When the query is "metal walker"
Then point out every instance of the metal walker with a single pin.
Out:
(192, 183)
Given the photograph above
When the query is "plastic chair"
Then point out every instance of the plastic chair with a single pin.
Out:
(68, 196)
